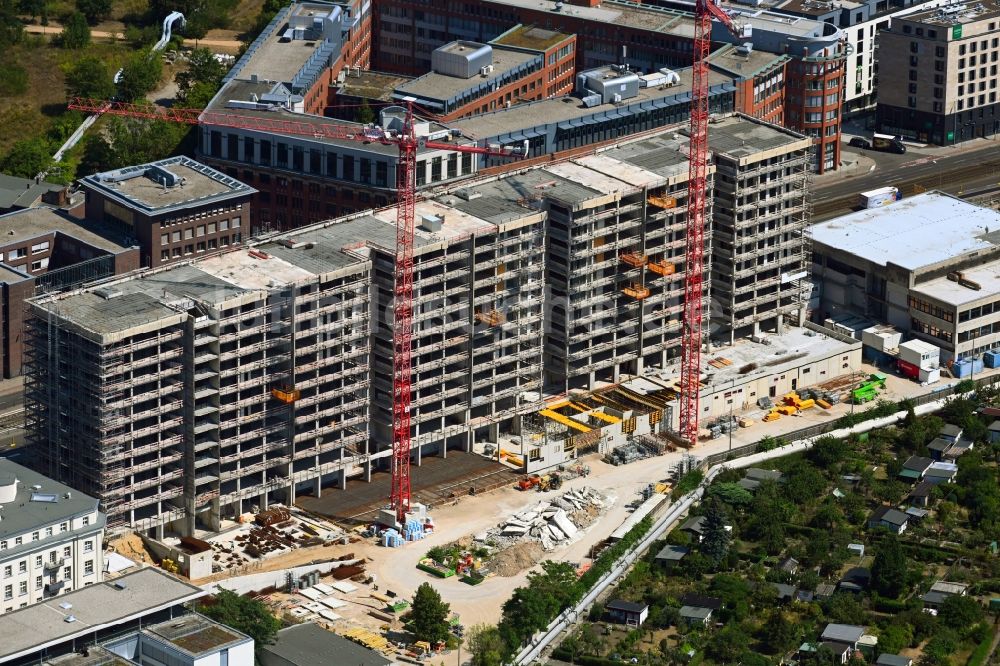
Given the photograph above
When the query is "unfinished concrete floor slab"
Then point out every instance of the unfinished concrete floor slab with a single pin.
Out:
(436, 481)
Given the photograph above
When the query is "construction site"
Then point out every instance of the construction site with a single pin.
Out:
(217, 387)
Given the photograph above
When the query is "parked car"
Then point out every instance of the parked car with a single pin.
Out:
(858, 142)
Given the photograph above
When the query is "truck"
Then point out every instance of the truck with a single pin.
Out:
(888, 143)
(883, 196)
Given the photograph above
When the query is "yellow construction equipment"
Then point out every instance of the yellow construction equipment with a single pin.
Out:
(662, 202)
(823, 403)
(772, 415)
(636, 291)
(490, 318)
(286, 394)
(662, 268)
(787, 410)
(634, 259)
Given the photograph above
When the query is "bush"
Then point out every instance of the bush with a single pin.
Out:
(13, 79)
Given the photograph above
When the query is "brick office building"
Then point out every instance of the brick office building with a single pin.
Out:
(42, 249)
(173, 209)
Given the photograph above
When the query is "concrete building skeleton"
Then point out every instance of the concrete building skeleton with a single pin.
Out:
(203, 390)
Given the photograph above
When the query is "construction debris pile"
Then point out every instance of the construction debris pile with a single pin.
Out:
(549, 523)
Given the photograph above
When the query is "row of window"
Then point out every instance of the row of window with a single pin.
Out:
(22, 587)
(928, 329)
(199, 247)
(199, 231)
(22, 566)
(49, 531)
(931, 309)
(22, 252)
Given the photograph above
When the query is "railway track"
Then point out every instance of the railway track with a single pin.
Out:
(954, 181)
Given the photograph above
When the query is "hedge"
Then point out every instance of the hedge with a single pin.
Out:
(982, 651)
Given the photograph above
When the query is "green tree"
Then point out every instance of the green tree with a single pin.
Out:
(485, 645)
(960, 613)
(889, 568)
(428, 617)
(827, 451)
(728, 643)
(90, 77)
(11, 27)
(715, 537)
(250, 616)
(94, 10)
(732, 494)
(75, 33)
(32, 8)
(895, 637)
(140, 75)
(27, 158)
(778, 634)
(199, 83)
(365, 114)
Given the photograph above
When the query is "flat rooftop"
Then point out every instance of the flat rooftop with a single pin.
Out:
(530, 37)
(795, 347)
(744, 66)
(195, 634)
(530, 114)
(34, 223)
(739, 137)
(436, 86)
(32, 508)
(94, 607)
(22, 192)
(272, 59)
(959, 13)
(922, 230)
(141, 187)
(372, 85)
(944, 290)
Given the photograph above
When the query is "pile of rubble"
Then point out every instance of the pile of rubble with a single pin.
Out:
(549, 523)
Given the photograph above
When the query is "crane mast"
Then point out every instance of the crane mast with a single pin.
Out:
(693, 315)
(406, 140)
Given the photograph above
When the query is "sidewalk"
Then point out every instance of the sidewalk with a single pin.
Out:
(852, 165)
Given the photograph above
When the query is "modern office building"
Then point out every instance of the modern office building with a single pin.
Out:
(172, 209)
(41, 250)
(644, 37)
(525, 63)
(927, 265)
(51, 538)
(946, 59)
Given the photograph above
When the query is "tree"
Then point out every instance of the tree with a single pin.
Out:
(732, 494)
(428, 617)
(715, 536)
(94, 10)
(32, 7)
(727, 643)
(889, 568)
(90, 77)
(778, 634)
(26, 158)
(140, 75)
(895, 637)
(11, 27)
(486, 645)
(75, 33)
(827, 451)
(131, 141)
(250, 616)
(365, 114)
(960, 613)
(199, 83)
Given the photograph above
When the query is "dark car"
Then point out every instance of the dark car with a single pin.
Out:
(858, 142)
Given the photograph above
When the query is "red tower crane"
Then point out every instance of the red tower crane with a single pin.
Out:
(691, 335)
(408, 143)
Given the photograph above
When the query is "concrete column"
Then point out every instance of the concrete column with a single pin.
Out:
(779, 323)
(159, 529)
(468, 440)
(444, 448)
(290, 500)
(756, 328)
(367, 465)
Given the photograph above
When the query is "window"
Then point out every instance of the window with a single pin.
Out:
(67, 551)
(88, 568)
(39, 247)
(200, 230)
(8, 571)
(18, 541)
(22, 588)
(38, 582)
(22, 567)
(68, 574)
(188, 233)
(235, 222)
(48, 531)
(38, 560)
(19, 253)
(86, 521)
(40, 264)
(34, 536)
(8, 592)
(165, 239)
(64, 527)
(3, 545)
